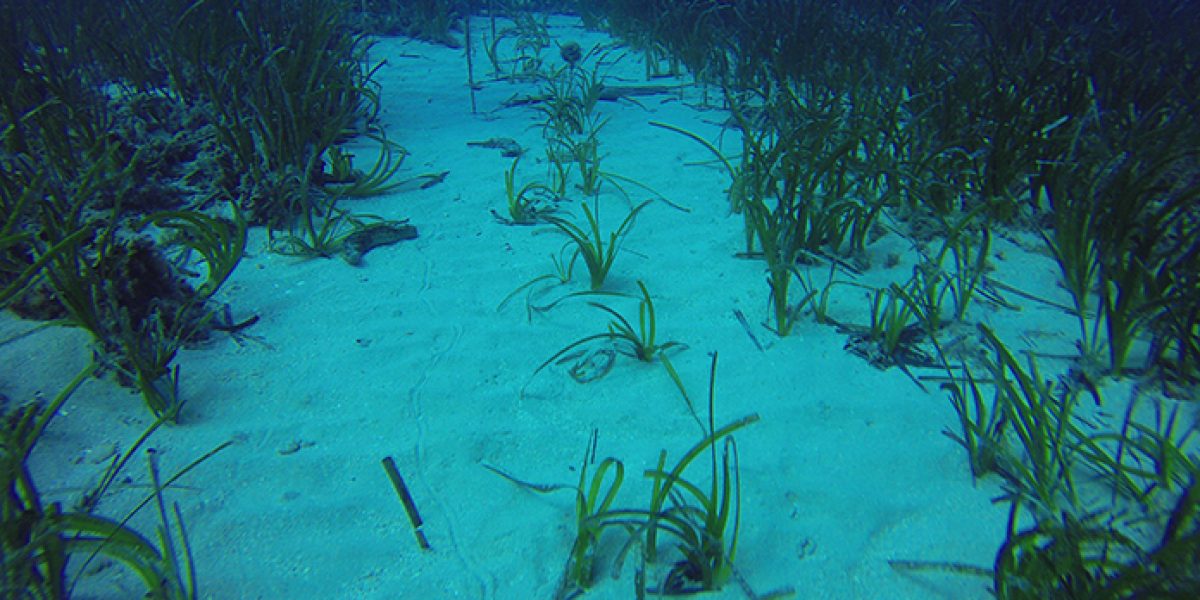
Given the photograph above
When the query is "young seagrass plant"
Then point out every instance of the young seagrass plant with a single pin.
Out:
(526, 204)
(593, 500)
(641, 342)
(705, 522)
(564, 269)
(345, 181)
(702, 518)
(597, 253)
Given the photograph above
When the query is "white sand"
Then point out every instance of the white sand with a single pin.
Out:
(408, 357)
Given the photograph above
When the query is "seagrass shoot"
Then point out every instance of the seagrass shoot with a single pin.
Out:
(594, 496)
(702, 518)
(343, 180)
(892, 319)
(564, 269)
(932, 284)
(569, 98)
(516, 52)
(527, 203)
(705, 523)
(1041, 421)
(640, 342)
(597, 253)
(584, 151)
(581, 154)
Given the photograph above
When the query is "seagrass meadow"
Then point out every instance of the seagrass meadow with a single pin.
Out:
(510, 299)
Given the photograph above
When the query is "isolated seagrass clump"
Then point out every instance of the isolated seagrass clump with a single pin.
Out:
(697, 510)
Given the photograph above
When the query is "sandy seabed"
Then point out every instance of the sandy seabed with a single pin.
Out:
(407, 356)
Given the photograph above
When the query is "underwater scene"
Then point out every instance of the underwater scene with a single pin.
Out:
(604, 299)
